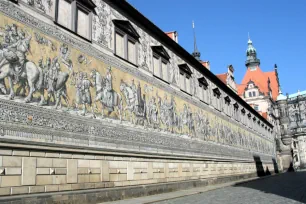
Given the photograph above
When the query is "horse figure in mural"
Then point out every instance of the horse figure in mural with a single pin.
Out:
(105, 94)
(14, 64)
(54, 82)
(135, 101)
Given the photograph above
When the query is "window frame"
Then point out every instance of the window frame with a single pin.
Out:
(126, 38)
(76, 5)
(161, 59)
(185, 72)
(203, 89)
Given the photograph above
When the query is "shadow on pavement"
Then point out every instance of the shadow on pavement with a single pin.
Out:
(290, 185)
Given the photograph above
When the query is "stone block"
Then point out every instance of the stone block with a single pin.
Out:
(130, 171)
(94, 178)
(89, 185)
(60, 171)
(78, 156)
(37, 154)
(44, 162)
(95, 171)
(150, 170)
(51, 188)
(88, 156)
(66, 187)
(83, 178)
(100, 185)
(83, 163)
(109, 185)
(109, 158)
(105, 171)
(72, 171)
(10, 161)
(5, 152)
(62, 163)
(43, 171)
(21, 153)
(94, 163)
(100, 157)
(5, 191)
(65, 155)
(7, 181)
(12, 171)
(114, 177)
(28, 171)
(59, 179)
(52, 154)
(83, 170)
(44, 179)
(20, 190)
(37, 189)
(78, 186)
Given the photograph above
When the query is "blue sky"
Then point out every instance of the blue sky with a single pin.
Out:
(277, 29)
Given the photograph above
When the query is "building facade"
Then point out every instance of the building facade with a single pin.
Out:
(292, 122)
(95, 96)
(259, 89)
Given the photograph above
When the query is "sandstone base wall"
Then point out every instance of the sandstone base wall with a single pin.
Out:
(27, 171)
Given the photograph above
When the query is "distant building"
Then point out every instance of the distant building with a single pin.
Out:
(259, 89)
(291, 146)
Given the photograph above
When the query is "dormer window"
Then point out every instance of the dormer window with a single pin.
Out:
(203, 90)
(160, 63)
(126, 38)
(236, 114)
(216, 102)
(227, 106)
(185, 78)
(76, 16)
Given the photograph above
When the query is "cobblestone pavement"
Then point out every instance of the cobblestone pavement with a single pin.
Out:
(285, 188)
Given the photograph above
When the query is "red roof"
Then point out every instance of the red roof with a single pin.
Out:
(222, 77)
(260, 79)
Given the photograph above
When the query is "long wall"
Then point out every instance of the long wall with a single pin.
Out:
(108, 122)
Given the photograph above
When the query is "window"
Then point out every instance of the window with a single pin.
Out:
(126, 38)
(236, 114)
(160, 63)
(243, 116)
(254, 93)
(75, 15)
(256, 107)
(203, 92)
(185, 78)
(227, 105)
(216, 99)
(250, 94)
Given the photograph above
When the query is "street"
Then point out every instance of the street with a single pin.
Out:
(284, 188)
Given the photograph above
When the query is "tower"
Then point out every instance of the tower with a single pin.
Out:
(252, 61)
(196, 54)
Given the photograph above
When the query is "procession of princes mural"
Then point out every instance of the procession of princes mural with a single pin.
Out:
(40, 71)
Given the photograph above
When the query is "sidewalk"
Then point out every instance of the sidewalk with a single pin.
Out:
(182, 193)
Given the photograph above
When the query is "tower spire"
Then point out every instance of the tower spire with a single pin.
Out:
(196, 54)
(252, 61)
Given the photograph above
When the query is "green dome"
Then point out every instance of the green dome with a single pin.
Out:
(251, 49)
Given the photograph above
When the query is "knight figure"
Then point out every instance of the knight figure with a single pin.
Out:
(108, 88)
(15, 53)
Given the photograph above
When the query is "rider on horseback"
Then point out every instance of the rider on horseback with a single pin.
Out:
(15, 54)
